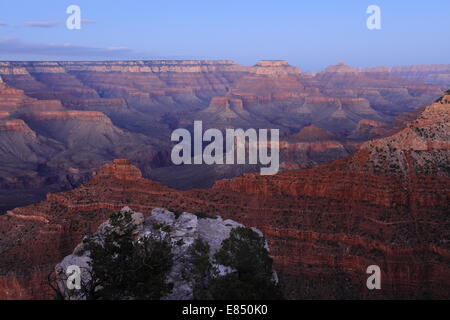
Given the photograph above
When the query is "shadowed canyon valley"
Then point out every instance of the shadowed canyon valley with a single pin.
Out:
(364, 157)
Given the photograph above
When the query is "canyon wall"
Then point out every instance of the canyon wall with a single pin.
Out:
(85, 114)
(385, 205)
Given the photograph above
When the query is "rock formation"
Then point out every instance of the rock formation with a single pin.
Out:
(182, 231)
(312, 133)
(341, 67)
(385, 205)
(274, 68)
(84, 114)
(433, 74)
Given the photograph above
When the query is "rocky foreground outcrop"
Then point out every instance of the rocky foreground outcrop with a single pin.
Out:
(386, 205)
(182, 230)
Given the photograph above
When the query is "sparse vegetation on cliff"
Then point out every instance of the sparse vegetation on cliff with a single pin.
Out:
(251, 276)
(130, 257)
(123, 268)
(245, 252)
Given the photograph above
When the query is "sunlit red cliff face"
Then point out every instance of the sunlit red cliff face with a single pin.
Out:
(385, 205)
(65, 119)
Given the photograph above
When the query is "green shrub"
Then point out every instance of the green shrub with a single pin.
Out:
(245, 252)
(125, 268)
(202, 271)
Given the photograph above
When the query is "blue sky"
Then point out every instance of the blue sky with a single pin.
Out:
(309, 34)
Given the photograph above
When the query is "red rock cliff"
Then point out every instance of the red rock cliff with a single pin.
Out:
(386, 205)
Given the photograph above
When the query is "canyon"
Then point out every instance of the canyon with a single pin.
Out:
(182, 231)
(386, 204)
(432, 74)
(59, 121)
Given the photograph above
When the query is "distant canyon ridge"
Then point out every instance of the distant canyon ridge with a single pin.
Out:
(60, 121)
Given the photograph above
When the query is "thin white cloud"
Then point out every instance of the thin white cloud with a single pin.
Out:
(13, 46)
(3, 24)
(48, 24)
(14, 49)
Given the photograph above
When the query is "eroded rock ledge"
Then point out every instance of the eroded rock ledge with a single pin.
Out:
(182, 229)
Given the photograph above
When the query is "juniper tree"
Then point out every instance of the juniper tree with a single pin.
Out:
(127, 268)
